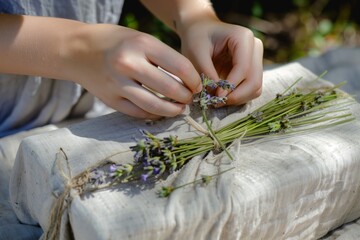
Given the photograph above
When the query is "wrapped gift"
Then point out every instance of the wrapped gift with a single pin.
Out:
(296, 187)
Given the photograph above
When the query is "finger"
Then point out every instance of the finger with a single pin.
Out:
(242, 51)
(149, 102)
(201, 55)
(125, 106)
(157, 80)
(172, 61)
(250, 88)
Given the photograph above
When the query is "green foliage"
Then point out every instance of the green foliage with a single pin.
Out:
(130, 21)
(301, 3)
(257, 9)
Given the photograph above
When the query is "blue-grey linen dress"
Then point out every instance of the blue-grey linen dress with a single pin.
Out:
(31, 101)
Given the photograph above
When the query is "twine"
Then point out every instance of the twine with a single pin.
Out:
(64, 200)
(60, 204)
(201, 129)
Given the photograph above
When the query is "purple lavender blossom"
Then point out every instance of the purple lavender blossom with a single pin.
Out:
(97, 177)
(207, 82)
(211, 84)
(207, 97)
(113, 168)
(144, 177)
(156, 170)
(217, 100)
(224, 84)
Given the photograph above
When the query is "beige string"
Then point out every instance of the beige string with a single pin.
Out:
(201, 129)
(196, 125)
(64, 200)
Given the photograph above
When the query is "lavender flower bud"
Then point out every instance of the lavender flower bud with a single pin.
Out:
(165, 191)
(113, 168)
(224, 84)
(156, 170)
(206, 179)
(144, 177)
(97, 177)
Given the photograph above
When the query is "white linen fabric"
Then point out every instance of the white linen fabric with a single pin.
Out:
(298, 187)
(342, 64)
(10, 227)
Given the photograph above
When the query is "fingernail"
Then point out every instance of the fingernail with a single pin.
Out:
(222, 93)
(219, 105)
(199, 88)
(183, 109)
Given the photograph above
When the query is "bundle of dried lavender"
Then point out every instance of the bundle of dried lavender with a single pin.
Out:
(288, 113)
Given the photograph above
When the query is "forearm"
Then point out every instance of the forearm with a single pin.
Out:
(34, 45)
(178, 14)
(110, 61)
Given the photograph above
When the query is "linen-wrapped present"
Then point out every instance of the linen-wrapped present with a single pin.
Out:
(297, 187)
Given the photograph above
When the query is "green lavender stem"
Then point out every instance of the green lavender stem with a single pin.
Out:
(214, 136)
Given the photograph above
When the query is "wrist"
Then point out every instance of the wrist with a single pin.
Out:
(81, 54)
(190, 14)
(179, 15)
(73, 46)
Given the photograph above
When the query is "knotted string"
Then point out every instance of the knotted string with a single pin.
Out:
(65, 197)
(201, 129)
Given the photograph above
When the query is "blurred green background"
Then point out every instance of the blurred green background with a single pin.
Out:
(289, 29)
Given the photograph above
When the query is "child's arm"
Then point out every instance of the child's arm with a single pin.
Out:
(110, 61)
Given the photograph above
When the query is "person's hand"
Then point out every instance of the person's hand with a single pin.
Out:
(120, 66)
(226, 51)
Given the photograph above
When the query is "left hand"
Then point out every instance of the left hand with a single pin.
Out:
(226, 51)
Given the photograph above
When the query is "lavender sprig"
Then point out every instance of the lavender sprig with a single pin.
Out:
(206, 99)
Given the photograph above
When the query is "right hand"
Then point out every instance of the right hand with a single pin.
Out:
(119, 66)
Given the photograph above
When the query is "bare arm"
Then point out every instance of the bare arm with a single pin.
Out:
(110, 61)
(32, 45)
